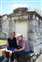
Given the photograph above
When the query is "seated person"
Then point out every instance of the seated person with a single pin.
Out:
(12, 44)
(24, 44)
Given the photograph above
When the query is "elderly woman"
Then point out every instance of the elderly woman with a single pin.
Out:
(24, 50)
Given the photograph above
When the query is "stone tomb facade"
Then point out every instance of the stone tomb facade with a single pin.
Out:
(27, 23)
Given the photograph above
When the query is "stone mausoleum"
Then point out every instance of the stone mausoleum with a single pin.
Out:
(21, 20)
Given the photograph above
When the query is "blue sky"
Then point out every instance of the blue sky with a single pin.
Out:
(7, 6)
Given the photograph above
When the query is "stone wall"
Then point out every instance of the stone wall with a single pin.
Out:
(35, 28)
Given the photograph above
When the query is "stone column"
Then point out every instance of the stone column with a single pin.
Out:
(11, 25)
(5, 25)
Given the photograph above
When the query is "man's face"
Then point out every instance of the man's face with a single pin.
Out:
(13, 34)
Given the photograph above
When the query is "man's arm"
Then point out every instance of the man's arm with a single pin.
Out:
(8, 42)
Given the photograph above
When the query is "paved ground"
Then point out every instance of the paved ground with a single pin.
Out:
(39, 58)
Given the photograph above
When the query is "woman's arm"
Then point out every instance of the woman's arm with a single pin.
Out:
(21, 49)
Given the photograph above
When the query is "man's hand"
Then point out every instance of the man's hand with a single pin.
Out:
(15, 50)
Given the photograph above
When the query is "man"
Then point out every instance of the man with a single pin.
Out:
(12, 45)
(12, 41)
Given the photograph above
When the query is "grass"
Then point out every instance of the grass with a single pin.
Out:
(3, 42)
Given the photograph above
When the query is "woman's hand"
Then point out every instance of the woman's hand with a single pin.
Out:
(18, 50)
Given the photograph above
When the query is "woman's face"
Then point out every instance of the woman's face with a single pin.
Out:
(21, 38)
